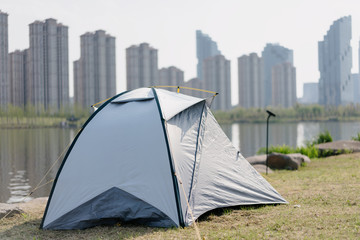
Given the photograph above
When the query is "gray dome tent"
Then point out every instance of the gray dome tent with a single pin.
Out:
(148, 155)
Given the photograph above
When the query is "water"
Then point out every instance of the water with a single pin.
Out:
(27, 154)
(25, 157)
(250, 137)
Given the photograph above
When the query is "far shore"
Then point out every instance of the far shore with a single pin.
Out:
(57, 122)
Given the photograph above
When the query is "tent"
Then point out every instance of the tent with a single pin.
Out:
(155, 157)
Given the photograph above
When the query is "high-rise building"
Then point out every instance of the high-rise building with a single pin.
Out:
(284, 85)
(18, 75)
(49, 65)
(94, 72)
(250, 76)
(79, 98)
(335, 63)
(356, 83)
(195, 83)
(171, 76)
(311, 93)
(141, 66)
(4, 50)
(216, 77)
(272, 55)
(205, 48)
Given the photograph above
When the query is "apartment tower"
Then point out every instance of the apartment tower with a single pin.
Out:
(216, 76)
(141, 66)
(250, 76)
(49, 65)
(94, 72)
(4, 50)
(205, 48)
(272, 55)
(335, 63)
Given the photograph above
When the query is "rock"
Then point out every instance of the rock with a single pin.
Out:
(297, 206)
(282, 161)
(261, 168)
(257, 159)
(338, 147)
(300, 157)
(278, 161)
(9, 210)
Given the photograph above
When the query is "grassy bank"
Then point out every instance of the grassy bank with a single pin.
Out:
(37, 122)
(295, 114)
(323, 201)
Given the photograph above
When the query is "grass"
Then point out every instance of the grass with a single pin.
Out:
(35, 122)
(324, 203)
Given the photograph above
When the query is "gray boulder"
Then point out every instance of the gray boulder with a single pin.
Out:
(278, 161)
(339, 147)
(300, 157)
(283, 161)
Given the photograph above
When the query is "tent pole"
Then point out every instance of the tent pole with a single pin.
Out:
(267, 138)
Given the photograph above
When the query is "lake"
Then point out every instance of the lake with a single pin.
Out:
(27, 154)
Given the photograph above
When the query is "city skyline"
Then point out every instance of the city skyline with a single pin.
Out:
(286, 25)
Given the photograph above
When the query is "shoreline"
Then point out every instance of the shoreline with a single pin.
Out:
(48, 122)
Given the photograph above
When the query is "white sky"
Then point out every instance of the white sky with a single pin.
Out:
(238, 26)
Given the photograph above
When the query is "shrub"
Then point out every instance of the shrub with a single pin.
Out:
(356, 138)
(308, 150)
(323, 137)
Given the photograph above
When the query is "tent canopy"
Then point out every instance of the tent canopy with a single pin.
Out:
(146, 156)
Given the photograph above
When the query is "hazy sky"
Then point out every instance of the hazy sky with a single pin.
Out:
(239, 27)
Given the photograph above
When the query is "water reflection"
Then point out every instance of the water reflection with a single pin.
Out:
(250, 137)
(25, 157)
(19, 187)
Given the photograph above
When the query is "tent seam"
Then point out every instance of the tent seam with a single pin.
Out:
(196, 151)
(174, 178)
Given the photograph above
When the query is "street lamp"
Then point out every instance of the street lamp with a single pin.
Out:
(267, 136)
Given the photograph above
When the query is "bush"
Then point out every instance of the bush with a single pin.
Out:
(309, 150)
(323, 137)
(357, 138)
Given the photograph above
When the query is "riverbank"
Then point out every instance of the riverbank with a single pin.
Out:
(298, 113)
(323, 201)
(39, 122)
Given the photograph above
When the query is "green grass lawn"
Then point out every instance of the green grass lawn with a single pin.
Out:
(324, 203)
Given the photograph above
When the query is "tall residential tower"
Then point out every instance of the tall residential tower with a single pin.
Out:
(94, 72)
(171, 76)
(250, 76)
(217, 77)
(205, 48)
(49, 65)
(272, 55)
(284, 85)
(335, 63)
(4, 50)
(141, 66)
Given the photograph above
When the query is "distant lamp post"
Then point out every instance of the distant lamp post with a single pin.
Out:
(267, 136)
